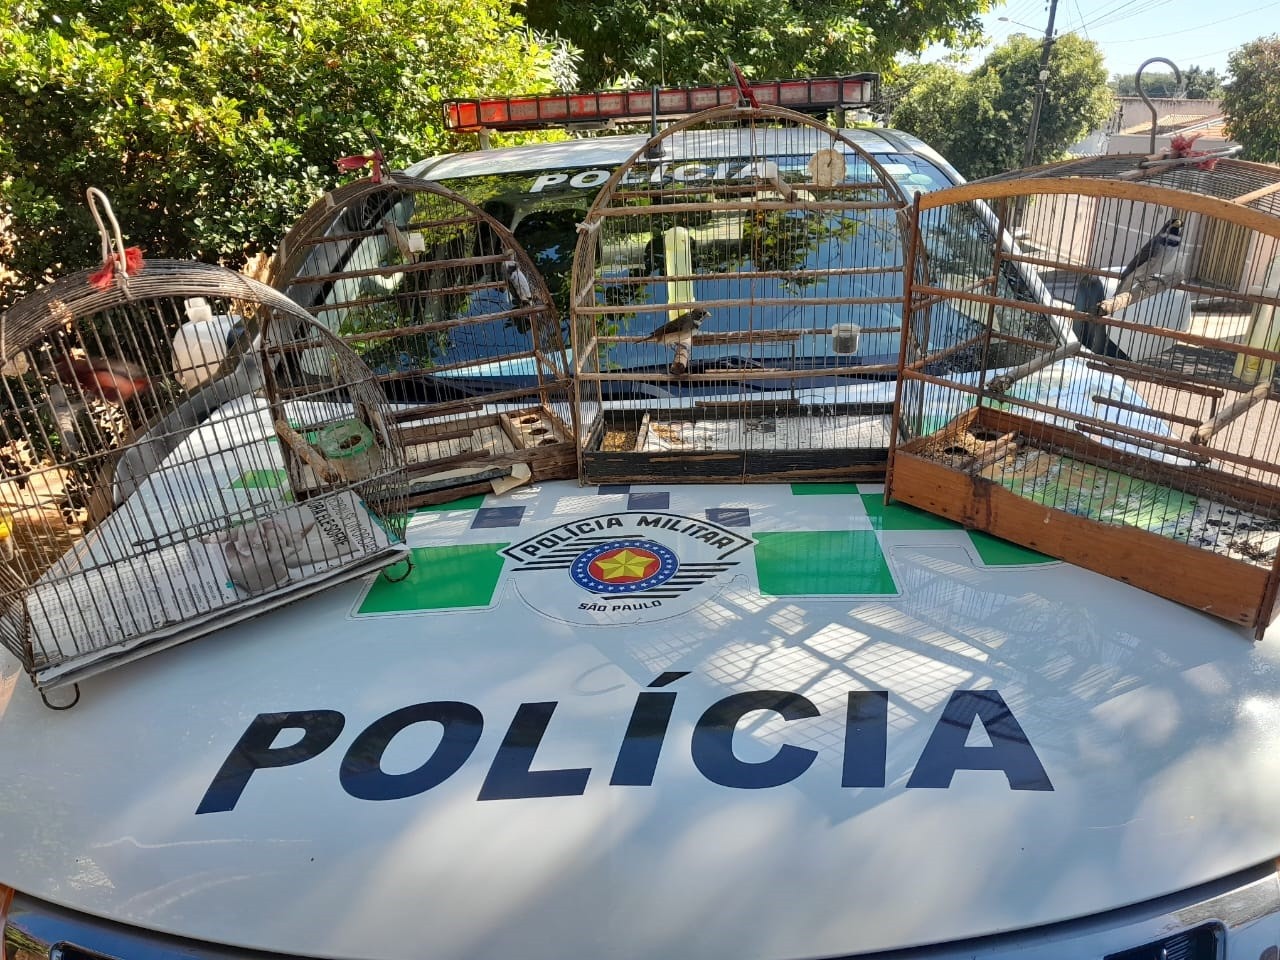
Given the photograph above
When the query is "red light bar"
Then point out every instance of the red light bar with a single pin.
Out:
(559, 109)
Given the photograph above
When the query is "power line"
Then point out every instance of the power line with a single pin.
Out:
(1199, 26)
(1200, 55)
(1137, 11)
(1112, 14)
(1083, 26)
(1104, 10)
(1024, 9)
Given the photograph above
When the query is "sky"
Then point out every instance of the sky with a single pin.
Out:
(1129, 31)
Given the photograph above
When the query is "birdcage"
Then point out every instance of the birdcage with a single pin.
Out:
(736, 305)
(446, 308)
(182, 448)
(1089, 368)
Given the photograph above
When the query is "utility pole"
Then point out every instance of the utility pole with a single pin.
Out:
(1045, 50)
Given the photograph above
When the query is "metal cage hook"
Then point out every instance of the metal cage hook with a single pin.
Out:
(96, 197)
(1137, 82)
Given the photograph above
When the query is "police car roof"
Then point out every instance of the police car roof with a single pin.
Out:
(612, 150)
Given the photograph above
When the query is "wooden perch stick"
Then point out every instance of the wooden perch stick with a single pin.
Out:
(1140, 291)
(786, 190)
(996, 451)
(680, 364)
(1231, 411)
(325, 470)
(1006, 380)
(1137, 439)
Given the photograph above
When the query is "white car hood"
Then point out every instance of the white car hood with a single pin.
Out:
(1139, 753)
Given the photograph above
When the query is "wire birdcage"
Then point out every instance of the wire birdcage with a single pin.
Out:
(454, 319)
(1089, 365)
(736, 305)
(182, 447)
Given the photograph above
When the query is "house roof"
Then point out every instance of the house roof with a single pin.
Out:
(1172, 123)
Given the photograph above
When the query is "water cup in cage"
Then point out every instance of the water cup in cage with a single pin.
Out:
(844, 337)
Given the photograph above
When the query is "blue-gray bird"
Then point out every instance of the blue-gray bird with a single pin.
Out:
(1157, 257)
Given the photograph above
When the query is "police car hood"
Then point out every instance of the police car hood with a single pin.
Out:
(763, 722)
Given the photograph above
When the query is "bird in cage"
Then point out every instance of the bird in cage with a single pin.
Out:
(97, 384)
(679, 329)
(1094, 336)
(1157, 257)
(409, 245)
(110, 378)
(519, 289)
(64, 417)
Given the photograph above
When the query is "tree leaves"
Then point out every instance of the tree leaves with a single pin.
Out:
(635, 42)
(1252, 100)
(979, 121)
(213, 123)
(1197, 84)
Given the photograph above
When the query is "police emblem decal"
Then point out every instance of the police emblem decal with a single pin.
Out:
(622, 567)
(628, 567)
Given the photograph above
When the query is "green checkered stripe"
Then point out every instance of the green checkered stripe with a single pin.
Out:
(849, 561)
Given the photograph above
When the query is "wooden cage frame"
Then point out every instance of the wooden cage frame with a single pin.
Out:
(468, 445)
(953, 485)
(600, 465)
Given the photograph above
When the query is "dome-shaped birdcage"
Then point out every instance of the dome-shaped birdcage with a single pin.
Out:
(182, 447)
(736, 304)
(1089, 369)
(456, 322)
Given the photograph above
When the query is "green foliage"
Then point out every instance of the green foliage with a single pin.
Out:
(1252, 100)
(213, 123)
(1197, 84)
(926, 99)
(979, 121)
(636, 42)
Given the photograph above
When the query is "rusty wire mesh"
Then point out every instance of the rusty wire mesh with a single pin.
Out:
(179, 448)
(736, 305)
(456, 322)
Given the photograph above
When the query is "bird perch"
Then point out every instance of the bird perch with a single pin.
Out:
(1233, 411)
(1138, 292)
(325, 470)
(1006, 380)
(680, 362)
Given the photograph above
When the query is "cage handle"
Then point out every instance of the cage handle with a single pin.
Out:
(96, 196)
(1137, 82)
(126, 260)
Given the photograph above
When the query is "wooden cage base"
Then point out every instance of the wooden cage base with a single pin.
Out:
(452, 459)
(955, 474)
(735, 443)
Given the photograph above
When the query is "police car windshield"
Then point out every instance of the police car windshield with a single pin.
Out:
(543, 208)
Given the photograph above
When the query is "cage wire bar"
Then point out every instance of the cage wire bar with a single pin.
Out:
(181, 448)
(1088, 369)
(456, 322)
(736, 305)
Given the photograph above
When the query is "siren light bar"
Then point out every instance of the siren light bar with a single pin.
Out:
(559, 109)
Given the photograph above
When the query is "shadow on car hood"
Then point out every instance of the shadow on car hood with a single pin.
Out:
(766, 722)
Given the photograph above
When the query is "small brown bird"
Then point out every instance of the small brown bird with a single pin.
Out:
(112, 379)
(679, 329)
